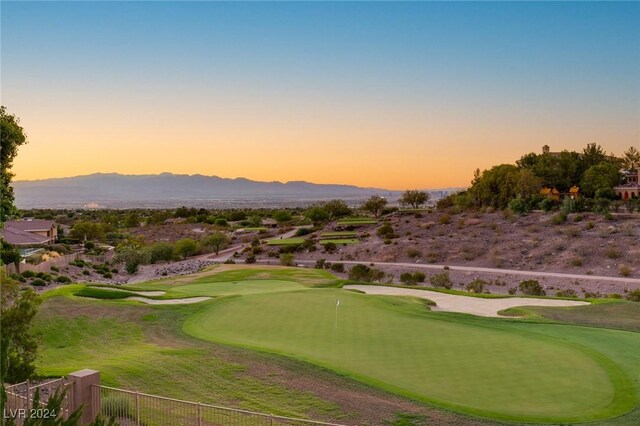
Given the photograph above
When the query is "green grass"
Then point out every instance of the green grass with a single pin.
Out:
(341, 241)
(396, 344)
(536, 369)
(99, 293)
(354, 221)
(340, 234)
(255, 228)
(285, 241)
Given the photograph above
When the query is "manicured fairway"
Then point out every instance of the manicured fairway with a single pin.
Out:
(396, 344)
(341, 241)
(356, 222)
(339, 234)
(285, 241)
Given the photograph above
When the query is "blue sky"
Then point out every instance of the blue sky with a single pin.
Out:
(438, 78)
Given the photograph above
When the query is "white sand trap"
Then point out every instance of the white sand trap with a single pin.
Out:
(141, 293)
(169, 301)
(465, 304)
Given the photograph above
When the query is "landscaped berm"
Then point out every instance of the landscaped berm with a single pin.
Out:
(291, 341)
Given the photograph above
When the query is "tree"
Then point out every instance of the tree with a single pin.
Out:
(592, 155)
(317, 214)
(161, 252)
(185, 247)
(132, 257)
(282, 216)
(600, 177)
(132, 220)
(374, 205)
(414, 198)
(217, 241)
(287, 259)
(337, 209)
(87, 231)
(17, 310)
(631, 159)
(12, 136)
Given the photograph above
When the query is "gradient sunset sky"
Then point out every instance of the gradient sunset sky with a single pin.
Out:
(392, 95)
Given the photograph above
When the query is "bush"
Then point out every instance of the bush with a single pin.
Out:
(250, 259)
(407, 278)
(107, 275)
(532, 288)
(512, 290)
(28, 274)
(546, 205)
(519, 206)
(476, 286)
(79, 263)
(320, 264)
(445, 219)
(625, 271)
(18, 277)
(63, 279)
(337, 267)
(413, 253)
(86, 272)
(303, 231)
(38, 283)
(568, 292)
(161, 252)
(634, 296)
(441, 280)
(55, 269)
(330, 247)
(365, 273)
(559, 218)
(385, 231)
(287, 259)
(419, 277)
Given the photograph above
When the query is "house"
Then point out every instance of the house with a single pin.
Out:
(551, 193)
(30, 232)
(269, 223)
(631, 188)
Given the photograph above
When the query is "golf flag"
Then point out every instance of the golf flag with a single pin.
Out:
(337, 303)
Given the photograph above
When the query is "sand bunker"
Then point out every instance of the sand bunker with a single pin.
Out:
(169, 301)
(464, 304)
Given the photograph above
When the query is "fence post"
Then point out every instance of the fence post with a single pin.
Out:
(137, 409)
(271, 419)
(199, 414)
(83, 381)
(28, 398)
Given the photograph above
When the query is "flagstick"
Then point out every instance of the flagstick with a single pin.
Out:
(337, 304)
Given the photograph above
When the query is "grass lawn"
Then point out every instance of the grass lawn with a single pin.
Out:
(357, 221)
(338, 234)
(339, 241)
(508, 369)
(285, 241)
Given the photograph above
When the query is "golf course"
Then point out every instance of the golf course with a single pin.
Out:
(535, 369)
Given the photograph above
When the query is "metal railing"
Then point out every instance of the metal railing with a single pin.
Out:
(136, 409)
(20, 398)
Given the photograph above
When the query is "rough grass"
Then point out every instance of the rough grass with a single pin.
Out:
(341, 234)
(98, 293)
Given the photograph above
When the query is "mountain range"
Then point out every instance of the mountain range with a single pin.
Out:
(116, 190)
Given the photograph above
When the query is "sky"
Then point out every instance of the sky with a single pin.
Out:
(389, 95)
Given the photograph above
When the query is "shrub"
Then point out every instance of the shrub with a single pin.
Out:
(365, 273)
(577, 261)
(559, 218)
(419, 277)
(512, 290)
(303, 231)
(577, 218)
(407, 278)
(476, 286)
(28, 274)
(107, 275)
(55, 269)
(568, 292)
(385, 231)
(532, 288)
(625, 271)
(519, 206)
(337, 267)
(38, 282)
(441, 280)
(250, 259)
(320, 263)
(86, 272)
(161, 252)
(79, 263)
(613, 253)
(63, 279)
(330, 248)
(287, 259)
(445, 219)
(413, 253)
(634, 296)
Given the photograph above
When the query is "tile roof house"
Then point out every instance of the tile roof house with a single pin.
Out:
(29, 232)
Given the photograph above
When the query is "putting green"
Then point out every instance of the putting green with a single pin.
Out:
(479, 367)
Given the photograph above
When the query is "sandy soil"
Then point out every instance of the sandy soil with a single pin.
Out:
(141, 293)
(169, 301)
(465, 304)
